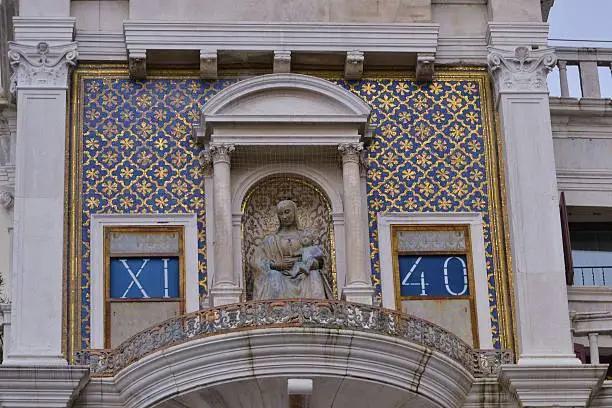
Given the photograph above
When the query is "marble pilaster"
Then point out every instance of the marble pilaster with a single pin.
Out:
(40, 80)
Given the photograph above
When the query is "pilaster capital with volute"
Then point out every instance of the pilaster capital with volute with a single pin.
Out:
(220, 152)
(350, 152)
(42, 65)
(522, 70)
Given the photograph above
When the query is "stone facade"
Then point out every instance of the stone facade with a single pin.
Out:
(427, 115)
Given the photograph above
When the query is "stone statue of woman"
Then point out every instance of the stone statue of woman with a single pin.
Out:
(287, 264)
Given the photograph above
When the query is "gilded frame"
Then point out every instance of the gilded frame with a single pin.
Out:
(470, 266)
(108, 255)
(495, 178)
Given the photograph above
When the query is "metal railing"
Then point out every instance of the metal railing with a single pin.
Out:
(593, 275)
(588, 61)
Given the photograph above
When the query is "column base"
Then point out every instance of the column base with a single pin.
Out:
(49, 387)
(225, 295)
(554, 385)
(358, 293)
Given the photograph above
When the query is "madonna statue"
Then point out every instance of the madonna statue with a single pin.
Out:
(288, 264)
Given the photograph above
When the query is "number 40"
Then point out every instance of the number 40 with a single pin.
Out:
(423, 284)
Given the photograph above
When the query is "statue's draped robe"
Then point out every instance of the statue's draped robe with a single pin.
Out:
(301, 281)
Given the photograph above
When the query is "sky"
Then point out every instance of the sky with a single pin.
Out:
(589, 20)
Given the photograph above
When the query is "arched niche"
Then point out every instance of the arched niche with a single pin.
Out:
(286, 124)
(313, 215)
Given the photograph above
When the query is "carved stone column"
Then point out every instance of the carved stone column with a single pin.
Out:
(40, 80)
(545, 351)
(225, 288)
(358, 286)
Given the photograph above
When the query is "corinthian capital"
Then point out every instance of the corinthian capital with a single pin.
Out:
(350, 152)
(220, 152)
(42, 65)
(521, 70)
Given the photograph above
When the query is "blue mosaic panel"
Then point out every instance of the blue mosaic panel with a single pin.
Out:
(428, 154)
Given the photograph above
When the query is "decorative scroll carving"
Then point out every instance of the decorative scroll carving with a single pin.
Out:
(353, 67)
(487, 363)
(282, 62)
(351, 152)
(220, 152)
(326, 314)
(523, 69)
(42, 65)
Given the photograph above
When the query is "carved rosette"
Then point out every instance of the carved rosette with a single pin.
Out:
(351, 152)
(521, 70)
(220, 152)
(42, 65)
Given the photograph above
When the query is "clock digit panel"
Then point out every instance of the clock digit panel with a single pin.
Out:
(434, 277)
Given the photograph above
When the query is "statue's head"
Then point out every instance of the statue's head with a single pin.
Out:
(286, 211)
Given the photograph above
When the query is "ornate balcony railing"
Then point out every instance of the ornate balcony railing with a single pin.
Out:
(293, 313)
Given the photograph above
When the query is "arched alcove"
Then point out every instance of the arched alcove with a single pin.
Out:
(285, 124)
(314, 217)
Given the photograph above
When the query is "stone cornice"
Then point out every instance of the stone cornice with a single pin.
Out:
(521, 70)
(40, 386)
(552, 385)
(42, 65)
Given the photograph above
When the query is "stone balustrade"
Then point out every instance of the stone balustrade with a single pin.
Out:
(588, 60)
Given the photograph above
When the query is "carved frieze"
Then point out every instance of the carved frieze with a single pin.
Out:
(521, 70)
(42, 65)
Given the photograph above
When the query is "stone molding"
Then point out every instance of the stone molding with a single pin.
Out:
(290, 36)
(522, 70)
(552, 385)
(503, 34)
(96, 259)
(477, 244)
(54, 30)
(429, 377)
(40, 387)
(41, 66)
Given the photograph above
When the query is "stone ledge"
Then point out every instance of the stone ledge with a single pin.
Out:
(553, 385)
(48, 387)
